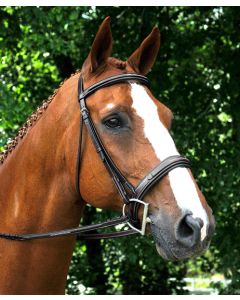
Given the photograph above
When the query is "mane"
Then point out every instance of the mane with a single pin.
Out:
(31, 121)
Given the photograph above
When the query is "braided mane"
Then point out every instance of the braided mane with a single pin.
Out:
(31, 121)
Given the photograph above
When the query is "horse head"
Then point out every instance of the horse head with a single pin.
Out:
(134, 127)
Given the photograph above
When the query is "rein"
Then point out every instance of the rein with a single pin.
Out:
(132, 196)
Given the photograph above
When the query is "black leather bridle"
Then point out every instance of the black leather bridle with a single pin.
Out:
(132, 196)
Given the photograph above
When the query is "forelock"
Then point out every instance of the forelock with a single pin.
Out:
(117, 63)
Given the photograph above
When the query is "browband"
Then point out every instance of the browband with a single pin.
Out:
(109, 81)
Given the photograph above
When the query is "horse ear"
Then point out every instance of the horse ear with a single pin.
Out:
(144, 57)
(101, 48)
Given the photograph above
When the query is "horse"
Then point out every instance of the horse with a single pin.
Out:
(39, 192)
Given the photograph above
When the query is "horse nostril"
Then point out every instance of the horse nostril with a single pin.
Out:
(188, 231)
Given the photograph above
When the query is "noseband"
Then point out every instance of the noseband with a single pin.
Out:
(132, 196)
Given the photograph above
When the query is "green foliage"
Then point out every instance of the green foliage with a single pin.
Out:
(196, 75)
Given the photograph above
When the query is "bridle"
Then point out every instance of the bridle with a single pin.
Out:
(132, 196)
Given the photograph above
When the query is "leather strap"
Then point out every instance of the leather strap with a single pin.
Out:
(106, 235)
(79, 156)
(70, 231)
(111, 81)
(161, 170)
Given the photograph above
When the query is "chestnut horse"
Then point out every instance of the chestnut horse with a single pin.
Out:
(37, 173)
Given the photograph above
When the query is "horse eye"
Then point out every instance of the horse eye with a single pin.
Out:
(113, 123)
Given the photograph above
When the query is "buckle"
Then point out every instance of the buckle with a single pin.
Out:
(145, 218)
(84, 112)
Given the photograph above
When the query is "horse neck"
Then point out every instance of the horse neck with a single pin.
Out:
(38, 195)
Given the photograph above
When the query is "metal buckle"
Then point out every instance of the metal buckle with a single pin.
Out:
(145, 219)
(84, 113)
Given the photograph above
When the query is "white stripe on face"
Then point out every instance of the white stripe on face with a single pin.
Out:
(181, 182)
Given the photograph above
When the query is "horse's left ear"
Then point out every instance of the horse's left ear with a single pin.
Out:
(144, 57)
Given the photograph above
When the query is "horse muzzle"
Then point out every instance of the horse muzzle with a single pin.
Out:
(181, 240)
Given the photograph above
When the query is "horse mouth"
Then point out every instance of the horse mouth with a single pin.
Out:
(166, 253)
(171, 250)
(162, 246)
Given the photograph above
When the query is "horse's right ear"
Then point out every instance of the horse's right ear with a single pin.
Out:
(101, 48)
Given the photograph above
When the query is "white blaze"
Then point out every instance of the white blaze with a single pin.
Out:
(181, 182)
(110, 106)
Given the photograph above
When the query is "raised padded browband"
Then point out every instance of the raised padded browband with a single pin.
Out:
(110, 81)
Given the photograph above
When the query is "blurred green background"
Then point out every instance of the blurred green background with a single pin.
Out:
(197, 75)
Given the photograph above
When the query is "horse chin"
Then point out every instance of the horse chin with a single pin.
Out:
(162, 246)
(165, 253)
